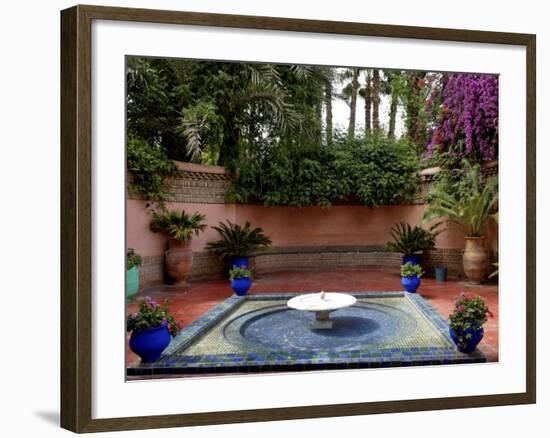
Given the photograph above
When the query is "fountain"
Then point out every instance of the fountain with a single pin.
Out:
(322, 304)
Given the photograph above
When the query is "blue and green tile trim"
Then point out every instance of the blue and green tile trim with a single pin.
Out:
(175, 361)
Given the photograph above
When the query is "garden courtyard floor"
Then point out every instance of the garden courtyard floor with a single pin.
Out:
(189, 304)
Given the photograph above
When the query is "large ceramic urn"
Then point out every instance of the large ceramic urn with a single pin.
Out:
(179, 261)
(475, 259)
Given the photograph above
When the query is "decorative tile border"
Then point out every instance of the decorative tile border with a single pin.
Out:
(173, 363)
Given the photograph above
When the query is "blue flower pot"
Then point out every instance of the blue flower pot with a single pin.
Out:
(466, 340)
(132, 282)
(241, 285)
(240, 262)
(410, 283)
(414, 259)
(150, 343)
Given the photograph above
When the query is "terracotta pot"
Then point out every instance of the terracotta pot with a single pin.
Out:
(179, 261)
(475, 259)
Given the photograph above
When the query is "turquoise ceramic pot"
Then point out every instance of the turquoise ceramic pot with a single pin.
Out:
(132, 282)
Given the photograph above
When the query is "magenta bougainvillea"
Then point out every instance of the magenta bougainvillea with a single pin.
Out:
(468, 121)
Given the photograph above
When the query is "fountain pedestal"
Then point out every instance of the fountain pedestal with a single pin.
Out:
(321, 304)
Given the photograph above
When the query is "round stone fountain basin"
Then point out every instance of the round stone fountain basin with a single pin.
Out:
(322, 304)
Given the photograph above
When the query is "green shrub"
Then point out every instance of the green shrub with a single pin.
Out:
(237, 241)
(149, 168)
(178, 225)
(409, 240)
(411, 270)
(373, 171)
(237, 272)
(472, 208)
(132, 258)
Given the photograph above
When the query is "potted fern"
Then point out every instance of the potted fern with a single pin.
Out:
(411, 241)
(180, 227)
(472, 210)
(410, 276)
(133, 261)
(238, 242)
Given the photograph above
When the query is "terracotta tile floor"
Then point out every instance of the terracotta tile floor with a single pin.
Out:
(191, 303)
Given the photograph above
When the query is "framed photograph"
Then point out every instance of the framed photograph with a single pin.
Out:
(252, 204)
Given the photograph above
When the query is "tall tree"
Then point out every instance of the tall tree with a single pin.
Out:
(375, 100)
(415, 114)
(350, 92)
(328, 111)
(366, 93)
(393, 88)
(327, 76)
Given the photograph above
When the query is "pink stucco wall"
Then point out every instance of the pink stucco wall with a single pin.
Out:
(309, 226)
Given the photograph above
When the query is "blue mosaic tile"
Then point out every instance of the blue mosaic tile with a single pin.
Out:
(175, 361)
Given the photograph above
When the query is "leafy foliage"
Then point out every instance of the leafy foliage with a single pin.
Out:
(468, 312)
(373, 171)
(151, 314)
(409, 240)
(149, 169)
(201, 127)
(238, 241)
(411, 270)
(237, 272)
(495, 272)
(468, 117)
(472, 209)
(178, 224)
(205, 109)
(132, 259)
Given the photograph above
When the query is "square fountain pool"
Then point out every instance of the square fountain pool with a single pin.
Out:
(258, 333)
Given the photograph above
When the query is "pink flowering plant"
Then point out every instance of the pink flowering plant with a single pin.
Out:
(151, 314)
(468, 312)
(467, 125)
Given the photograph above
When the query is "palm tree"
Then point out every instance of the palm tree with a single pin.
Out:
(261, 96)
(238, 241)
(473, 210)
(327, 76)
(328, 111)
(392, 88)
(375, 100)
(178, 225)
(349, 94)
(366, 93)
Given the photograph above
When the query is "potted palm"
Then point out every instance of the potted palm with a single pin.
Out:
(180, 228)
(133, 261)
(466, 322)
(411, 241)
(152, 327)
(410, 276)
(472, 210)
(237, 243)
(241, 279)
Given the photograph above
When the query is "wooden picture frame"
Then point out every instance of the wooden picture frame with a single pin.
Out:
(76, 217)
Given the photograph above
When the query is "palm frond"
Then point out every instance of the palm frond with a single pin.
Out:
(178, 224)
(238, 240)
(471, 210)
(408, 240)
